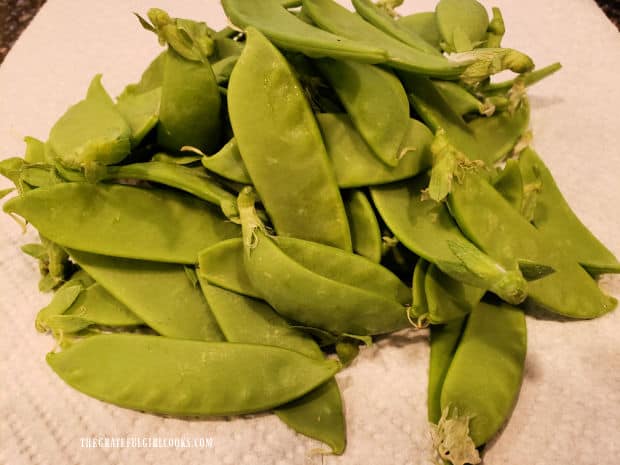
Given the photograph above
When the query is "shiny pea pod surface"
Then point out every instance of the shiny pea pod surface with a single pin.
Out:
(365, 232)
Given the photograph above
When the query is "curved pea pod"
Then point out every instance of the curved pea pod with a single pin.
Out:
(376, 102)
(62, 300)
(485, 374)
(424, 25)
(509, 183)
(123, 221)
(353, 161)
(141, 111)
(461, 100)
(498, 229)
(420, 305)
(227, 162)
(350, 293)
(35, 150)
(462, 24)
(365, 231)
(151, 78)
(282, 148)
(158, 293)
(190, 106)
(178, 377)
(91, 131)
(245, 320)
(332, 17)
(553, 216)
(290, 33)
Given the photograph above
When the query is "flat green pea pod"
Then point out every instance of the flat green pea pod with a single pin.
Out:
(157, 293)
(35, 150)
(484, 377)
(141, 111)
(151, 78)
(180, 377)
(354, 163)
(289, 32)
(227, 162)
(420, 304)
(222, 69)
(225, 47)
(332, 17)
(340, 304)
(553, 216)
(509, 183)
(423, 24)
(498, 229)
(245, 320)
(62, 300)
(376, 102)
(92, 131)
(462, 24)
(365, 231)
(282, 148)
(123, 221)
(461, 100)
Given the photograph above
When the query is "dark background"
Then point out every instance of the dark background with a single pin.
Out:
(16, 14)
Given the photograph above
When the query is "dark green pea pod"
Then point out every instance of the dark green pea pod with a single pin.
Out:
(282, 148)
(219, 378)
(423, 24)
(244, 320)
(35, 150)
(509, 183)
(157, 293)
(354, 163)
(498, 229)
(290, 33)
(123, 221)
(92, 131)
(484, 377)
(339, 305)
(332, 17)
(462, 24)
(227, 162)
(554, 218)
(365, 232)
(376, 102)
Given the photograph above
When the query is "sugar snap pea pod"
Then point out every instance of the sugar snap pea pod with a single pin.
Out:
(282, 148)
(338, 305)
(461, 100)
(424, 25)
(528, 79)
(158, 293)
(141, 111)
(382, 20)
(91, 131)
(490, 222)
(334, 18)
(485, 375)
(365, 231)
(245, 320)
(354, 163)
(35, 150)
(509, 183)
(227, 162)
(288, 32)
(444, 343)
(179, 377)
(462, 24)
(554, 217)
(376, 102)
(123, 221)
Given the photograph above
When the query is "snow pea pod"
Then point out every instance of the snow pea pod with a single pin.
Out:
(141, 111)
(462, 24)
(180, 377)
(246, 320)
(423, 24)
(353, 161)
(123, 221)
(485, 374)
(282, 148)
(554, 217)
(376, 102)
(461, 100)
(420, 306)
(158, 293)
(290, 33)
(35, 150)
(227, 162)
(490, 221)
(365, 232)
(330, 16)
(509, 183)
(223, 68)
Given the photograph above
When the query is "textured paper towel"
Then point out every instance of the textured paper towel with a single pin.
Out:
(567, 410)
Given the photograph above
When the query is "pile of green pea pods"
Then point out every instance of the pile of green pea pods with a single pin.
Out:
(223, 236)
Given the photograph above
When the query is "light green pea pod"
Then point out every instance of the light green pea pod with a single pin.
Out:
(461, 100)
(245, 320)
(225, 48)
(376, 102)
(423, 24)
(11, 169)
(420, 304)
(498, 229)
(39, 175)
(5, 192)
(553, 216)
(35, 150)
(228, 163)
(141, 111)
(462, 24)
(486, 62)
(496, 29)
(282, 148)
(365, 231)
(61, 325)
(484, 377)
(123, 221)
(328, 274)
(223, 68)
(92, 131)
(332, 17)
(151, 79)
(509, 183)
(528, 79)
(354, 163)
(177, 160)
(290, 33)
(62, 300)
(157, 293)
(219, 378)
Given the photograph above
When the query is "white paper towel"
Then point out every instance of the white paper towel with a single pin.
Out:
(567, 410)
